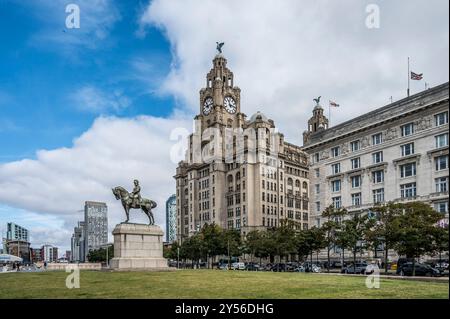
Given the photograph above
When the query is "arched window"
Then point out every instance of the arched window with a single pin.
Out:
(238, 176)
(290, 181)
(230, 179)
(305, 185)
(297, 183)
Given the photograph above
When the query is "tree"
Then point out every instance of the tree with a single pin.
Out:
(352, 233)
(441, 240)
(172, 252)
(211, 235)
(331, 227)
(309, 241)
(99, 255)
(284, 240)
(253, 242)
(418, 232)
(385, 229)
(193, 248)
(231, 244)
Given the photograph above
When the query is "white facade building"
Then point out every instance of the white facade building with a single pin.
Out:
(396, 153)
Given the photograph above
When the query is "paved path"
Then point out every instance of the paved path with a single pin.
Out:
(430, 279)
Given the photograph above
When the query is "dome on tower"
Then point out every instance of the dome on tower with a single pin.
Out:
(259, 116)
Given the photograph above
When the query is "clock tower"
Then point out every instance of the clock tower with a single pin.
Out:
(220, 100)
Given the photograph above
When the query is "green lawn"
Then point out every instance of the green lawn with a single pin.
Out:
(210, 284)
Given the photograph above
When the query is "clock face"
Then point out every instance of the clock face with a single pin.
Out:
(207, 105)
(230, 104)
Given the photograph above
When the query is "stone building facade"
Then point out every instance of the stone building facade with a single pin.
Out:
(396, 153)
(238, 173)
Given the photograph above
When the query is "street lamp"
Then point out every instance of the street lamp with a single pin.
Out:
(107, 259)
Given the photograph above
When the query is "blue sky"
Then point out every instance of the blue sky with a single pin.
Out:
(40, 75)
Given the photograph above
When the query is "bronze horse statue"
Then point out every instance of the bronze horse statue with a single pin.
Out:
(127, 202)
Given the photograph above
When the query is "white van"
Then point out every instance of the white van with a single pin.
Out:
(238, 266)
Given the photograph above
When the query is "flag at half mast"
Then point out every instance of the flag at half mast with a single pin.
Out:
(333, 104)
(416, 77)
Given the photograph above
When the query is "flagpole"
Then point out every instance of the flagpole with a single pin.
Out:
(409, 77)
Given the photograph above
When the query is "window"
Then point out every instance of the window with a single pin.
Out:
(355, 146)
(335, 151)
(441, 184)
(318, 206)
(317, 172)
(336, 186)
(378, 195)
(407, 149)
(407, 129)
(441, 207)
(356, 163)
(408, 190)
(356, 181)
(408, 170)
(377, 139)
(316, 157)
(317, 187)
(356, 199)
(336, 168)
(377, 157)
(441, 118)
(378, 177)
(441, 140)
(337, 202)
(441, 162)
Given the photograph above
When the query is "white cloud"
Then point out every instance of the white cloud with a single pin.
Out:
(113, 152)
(92, 99)
(285, 53)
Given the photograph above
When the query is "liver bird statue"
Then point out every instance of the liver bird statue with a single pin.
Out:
(317, 100)
(219, 46)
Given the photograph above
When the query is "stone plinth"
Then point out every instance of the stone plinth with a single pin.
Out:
(138, 247)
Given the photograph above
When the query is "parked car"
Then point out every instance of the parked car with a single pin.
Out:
(420, 270)
(238, 266)
(279, 267)
(252, 267)
(299, 269)
(223, 266)
(400, 263)
(441, 265)
(358, 268)
(268, 267)
(311, 267)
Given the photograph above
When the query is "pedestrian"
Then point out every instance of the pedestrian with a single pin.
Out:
(45, 265)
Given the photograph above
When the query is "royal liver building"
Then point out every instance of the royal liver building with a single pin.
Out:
(239, 172)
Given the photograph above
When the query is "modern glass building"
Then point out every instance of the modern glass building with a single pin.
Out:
(171, 218)
(95, 226)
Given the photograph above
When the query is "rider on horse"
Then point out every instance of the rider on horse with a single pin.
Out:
(136, 194)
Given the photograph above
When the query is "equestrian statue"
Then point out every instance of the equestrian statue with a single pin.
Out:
(134, 200)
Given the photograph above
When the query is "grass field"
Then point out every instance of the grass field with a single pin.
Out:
(210, 284)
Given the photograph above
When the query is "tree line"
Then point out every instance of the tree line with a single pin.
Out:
(410, 229)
